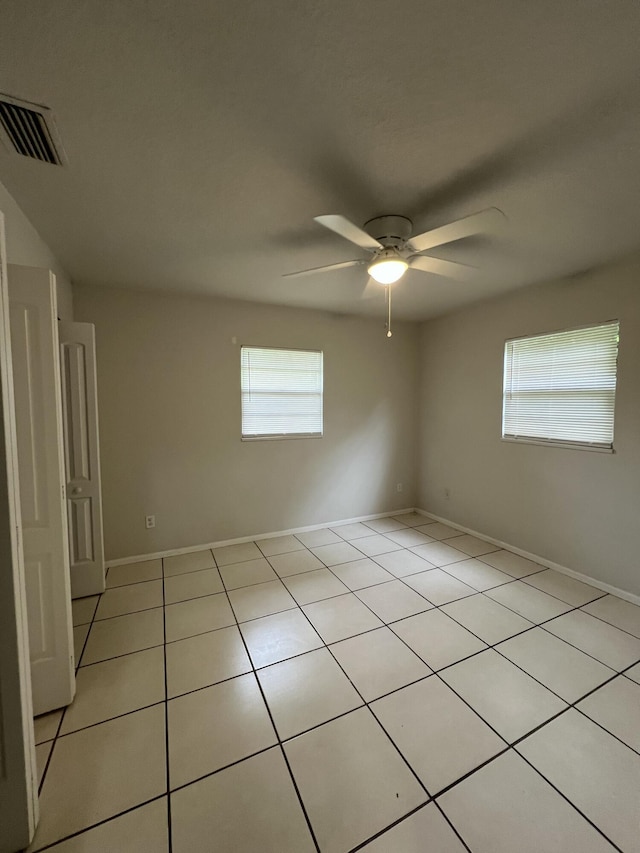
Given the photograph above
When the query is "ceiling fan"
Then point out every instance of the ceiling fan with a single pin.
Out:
(392, 250)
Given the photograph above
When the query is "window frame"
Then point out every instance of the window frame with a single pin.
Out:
(283, 436)
(557, 442)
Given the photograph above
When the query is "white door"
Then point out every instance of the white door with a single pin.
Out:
(36, 380)
(82, 457)
(18, 779)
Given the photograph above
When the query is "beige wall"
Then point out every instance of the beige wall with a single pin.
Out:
(169, 398)
(578, 508)
(27, 248)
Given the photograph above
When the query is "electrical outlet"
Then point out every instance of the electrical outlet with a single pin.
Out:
(399, 487)
(149, 521)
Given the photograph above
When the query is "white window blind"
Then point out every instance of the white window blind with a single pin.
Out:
(561, 387)
(281, 392)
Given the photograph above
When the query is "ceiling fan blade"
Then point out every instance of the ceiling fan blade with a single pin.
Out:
(448, 269)
(373, 288)
(328, 268)
(484, 221)
(342, 226)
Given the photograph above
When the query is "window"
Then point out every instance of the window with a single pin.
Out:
(560, 388)
(281, 393)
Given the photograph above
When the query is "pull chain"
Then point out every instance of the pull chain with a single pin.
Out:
(388, 323)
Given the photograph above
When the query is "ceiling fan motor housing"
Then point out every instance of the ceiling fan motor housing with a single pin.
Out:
(391, 231)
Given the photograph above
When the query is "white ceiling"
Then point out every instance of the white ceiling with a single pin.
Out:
(202, 137)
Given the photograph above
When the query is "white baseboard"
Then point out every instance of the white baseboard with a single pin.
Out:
(579, 576)
(123, 561)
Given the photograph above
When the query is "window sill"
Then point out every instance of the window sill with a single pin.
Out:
(282, 437)
(568, 445)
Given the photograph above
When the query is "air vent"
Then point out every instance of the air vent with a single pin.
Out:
(29, 129)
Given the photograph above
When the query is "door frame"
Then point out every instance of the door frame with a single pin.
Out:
(18, 775)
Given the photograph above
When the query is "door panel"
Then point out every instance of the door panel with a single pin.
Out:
(36, 374)
(82, 457)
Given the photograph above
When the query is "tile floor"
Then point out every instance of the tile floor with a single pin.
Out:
(390, 686)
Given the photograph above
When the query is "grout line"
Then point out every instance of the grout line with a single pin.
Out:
(275, 730)
(64, 710)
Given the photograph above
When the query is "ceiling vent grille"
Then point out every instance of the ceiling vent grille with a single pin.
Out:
(29, 129)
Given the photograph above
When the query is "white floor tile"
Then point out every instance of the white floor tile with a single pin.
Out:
(486, 618)
(439, 553)
(341, 617)
(314, 586)
(507, 807)
(143, 830)
(512, 564)
(116, 687)
(377, 544)
(478, 575)
(597, 773)
(615, 611)
(392, 601)
(385, 525)
(295, 563)
(437, 638)
(250, 572)
(130, 599)
(305, 691)
(438, 587)
(341, 552)
(236, 553)
(82, 609)
(315, 538)
(361, 573)
(608, 644)
(403, 563)
(217, 726)
(352, 531)
(279, 545)
(504, 696)
(204, 660)
(437, 530)
(194, 561)
(192, 585)
(197, 615)
(559, 666)
(616, 706)
(409, 836)
(146, 570)
(440, 736)
(534, 605)
(378, 662)
(251, 806)
(101, 771)
(46, 726)
(408, 537)
(370, 785)
(565, 588)
(275, 638)
(263, 599)
(473, 546)
(123, 635)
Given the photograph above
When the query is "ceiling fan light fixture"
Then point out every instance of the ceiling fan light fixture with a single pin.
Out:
(388, 268)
